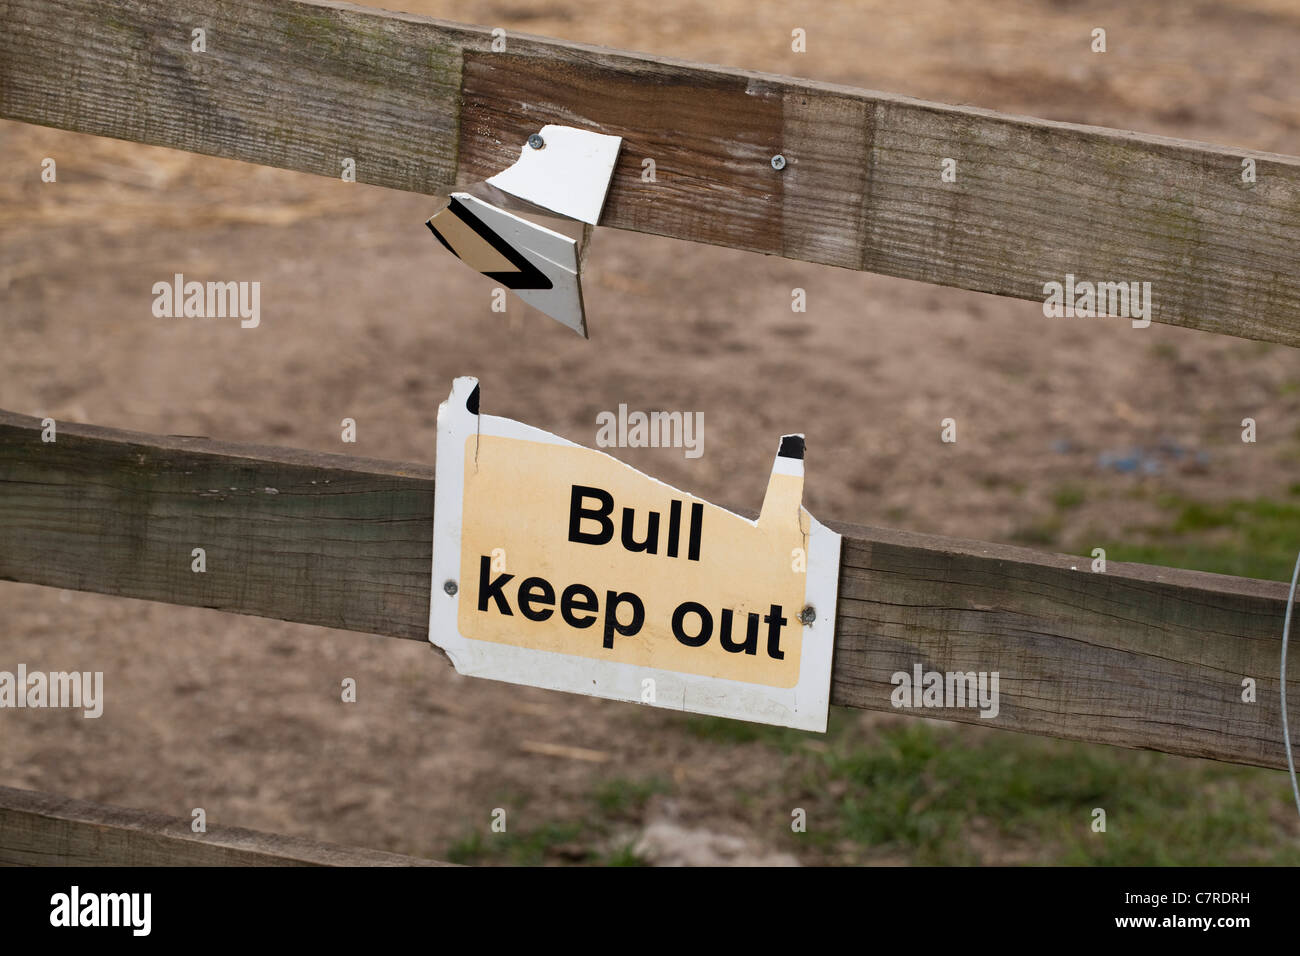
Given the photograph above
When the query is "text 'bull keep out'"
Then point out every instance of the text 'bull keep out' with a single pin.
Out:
(580, 607)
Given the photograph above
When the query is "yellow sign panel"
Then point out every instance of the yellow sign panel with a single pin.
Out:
(559, 566)
(598, 561)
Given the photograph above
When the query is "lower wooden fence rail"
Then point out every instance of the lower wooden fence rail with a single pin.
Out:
(41, 829)
(1134, 656)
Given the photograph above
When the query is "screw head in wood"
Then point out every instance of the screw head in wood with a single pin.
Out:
(778, 162)
(449, 587)
(536, 141)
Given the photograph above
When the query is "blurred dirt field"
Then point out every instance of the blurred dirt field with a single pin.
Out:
(1070, 431)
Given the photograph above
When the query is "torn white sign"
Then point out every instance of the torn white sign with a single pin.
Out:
(558, 566)
(562, 172)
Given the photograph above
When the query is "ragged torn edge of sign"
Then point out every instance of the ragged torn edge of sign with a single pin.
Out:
(562, 172)
(804, 706)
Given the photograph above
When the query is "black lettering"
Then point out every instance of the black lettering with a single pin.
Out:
(706, 624)
(577, 513)
(612, 600)
(568, 605)
(697, 525)
(492, 590)
(775, 620)
(651, 543)
(674, 526)
(751, 635)
(536, 590)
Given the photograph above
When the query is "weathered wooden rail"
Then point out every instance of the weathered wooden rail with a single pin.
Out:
(424, 105)
(1136, 656)
(41, 829)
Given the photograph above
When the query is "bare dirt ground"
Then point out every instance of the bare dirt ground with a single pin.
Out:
(365, 317)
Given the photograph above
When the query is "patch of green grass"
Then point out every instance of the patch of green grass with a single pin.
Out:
(1067, 497)
(625, 855)
(621, 798)
(1042, 533)
(529, 847)
(936, 794)
(612, 805)
(925, 792)
(468, 850)
(1256, 539)
(723, 730)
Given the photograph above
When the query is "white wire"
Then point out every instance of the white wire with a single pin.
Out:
(1286, 731)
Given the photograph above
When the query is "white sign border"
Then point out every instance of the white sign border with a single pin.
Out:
(804, 706)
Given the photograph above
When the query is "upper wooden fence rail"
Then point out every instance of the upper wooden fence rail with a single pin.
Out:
(424, 105)
(1136, 656)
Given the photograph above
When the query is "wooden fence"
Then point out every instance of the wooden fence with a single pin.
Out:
(1136, 656)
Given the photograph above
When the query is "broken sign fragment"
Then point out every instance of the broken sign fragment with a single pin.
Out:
(562, 172)
(537, 264)
(568, 173)
(558, 566)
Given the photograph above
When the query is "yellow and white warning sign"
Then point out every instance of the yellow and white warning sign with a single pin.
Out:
(558, 566)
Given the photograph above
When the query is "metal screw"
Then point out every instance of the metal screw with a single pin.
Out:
(808, 615)
(536, 141)
(450, 587)
(778, 162)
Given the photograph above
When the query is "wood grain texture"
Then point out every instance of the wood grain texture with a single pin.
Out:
(41, 829)
(297, 85)
(1137, 657)
(321, 539)
(424, 105)
(710, 135)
